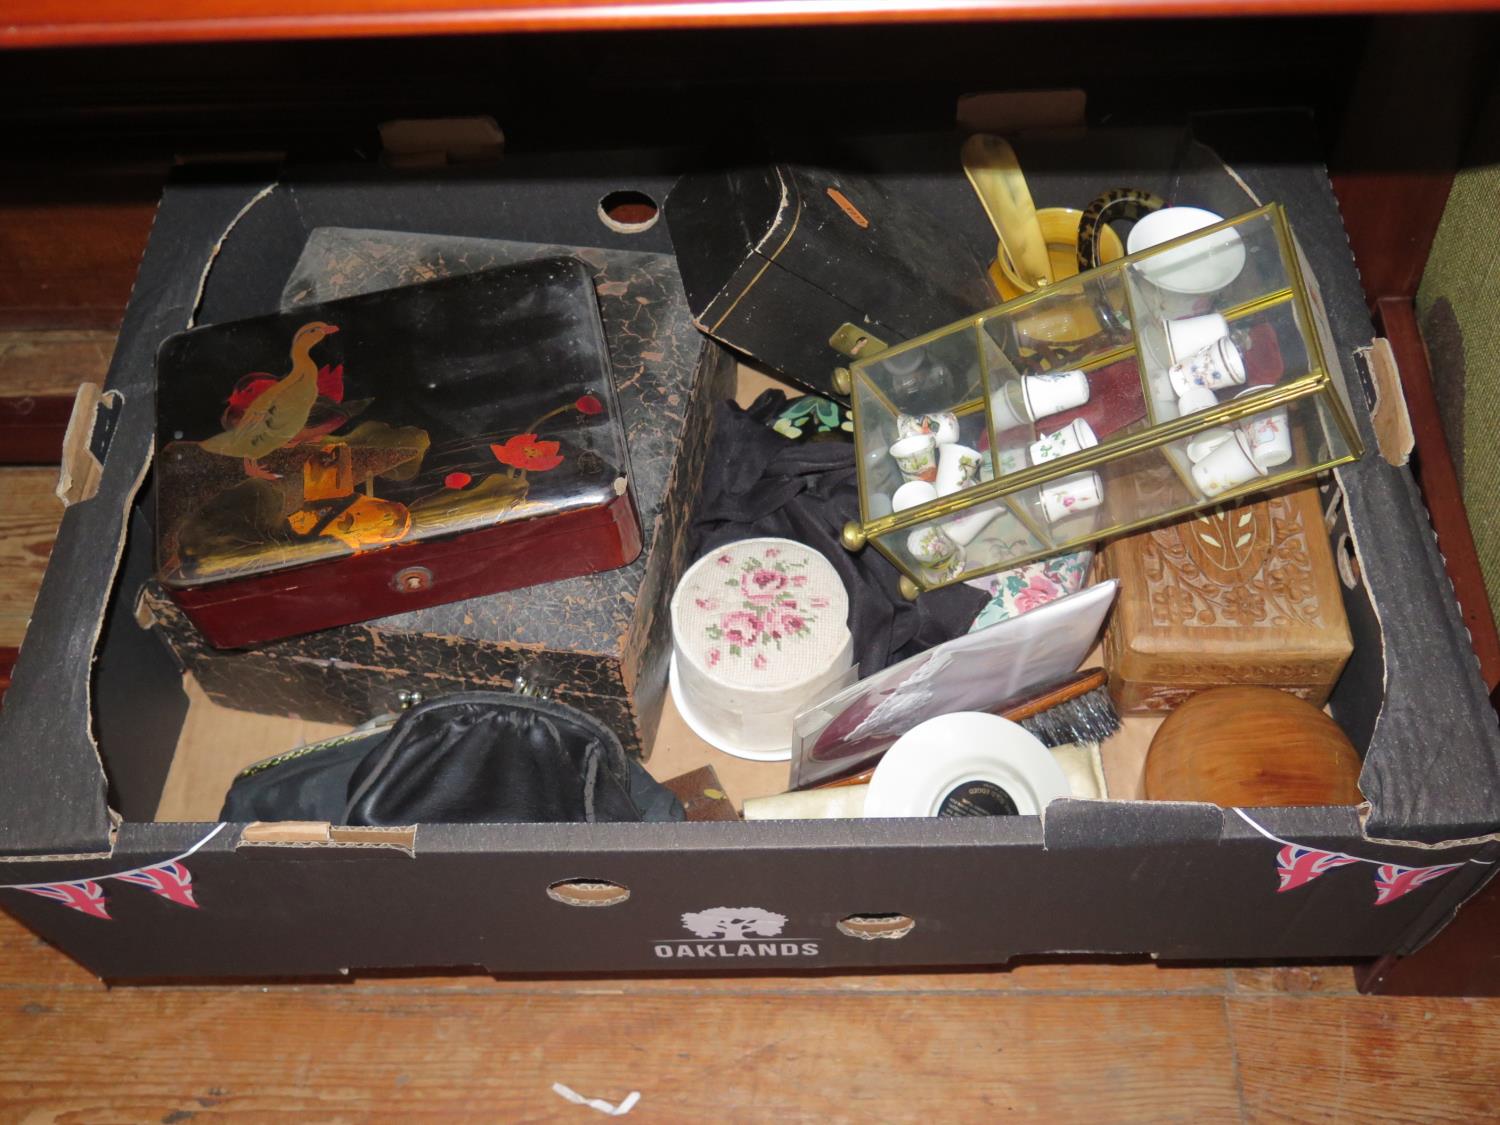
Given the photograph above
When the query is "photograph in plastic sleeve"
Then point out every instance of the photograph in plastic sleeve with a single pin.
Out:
(981, 671)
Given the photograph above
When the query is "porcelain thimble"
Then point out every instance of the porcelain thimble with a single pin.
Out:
(1201, 445)
(958, 467)
(1193, 334)
(1076, 435)
(911, 494)
(1008, 406)
(931, 546)
(1194, 399)
(916, 456)
(1269, 434)
(1054, 392)
(1228, 466)
(942, 426)
(1215, 367)
(1080, 492)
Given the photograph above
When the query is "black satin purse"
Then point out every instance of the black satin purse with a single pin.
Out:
(472, 758)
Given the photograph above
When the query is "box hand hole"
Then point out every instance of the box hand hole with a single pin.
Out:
(587, 892)
(875, 927)
(628, 212)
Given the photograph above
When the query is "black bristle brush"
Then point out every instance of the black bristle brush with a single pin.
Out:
(1077, 710)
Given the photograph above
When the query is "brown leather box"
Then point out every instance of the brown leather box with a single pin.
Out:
(1241, 595)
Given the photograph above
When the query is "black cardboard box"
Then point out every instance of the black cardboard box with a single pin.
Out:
(97, 715)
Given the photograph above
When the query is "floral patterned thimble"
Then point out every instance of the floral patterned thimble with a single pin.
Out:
(930, 547)
(1076, 435)
(942, 426)
(1054, 392)
(1228, 466)
(916, 456)
(1215, 367)
(947, 570)
(1080, 492)
(1269, 434)
(958, 468)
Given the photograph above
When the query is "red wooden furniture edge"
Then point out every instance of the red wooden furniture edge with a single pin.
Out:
(37, 23)
(31, 430)
(7, 665)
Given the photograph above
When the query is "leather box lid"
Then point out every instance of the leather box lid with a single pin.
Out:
(1244, 594)
(896, 268)
(427, 412)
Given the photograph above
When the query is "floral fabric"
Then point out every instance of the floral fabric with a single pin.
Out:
(1023, 588)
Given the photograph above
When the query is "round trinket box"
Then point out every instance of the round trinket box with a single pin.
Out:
(760, 629)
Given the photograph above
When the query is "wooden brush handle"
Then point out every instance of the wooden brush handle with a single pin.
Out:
(1015, 711)
(1054, 696)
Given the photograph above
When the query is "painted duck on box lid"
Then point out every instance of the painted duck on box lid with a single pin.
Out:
(488, 404)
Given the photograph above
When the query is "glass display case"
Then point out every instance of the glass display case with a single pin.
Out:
(1180, 377)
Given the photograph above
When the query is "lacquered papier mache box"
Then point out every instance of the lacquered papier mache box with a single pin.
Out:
(390, 451)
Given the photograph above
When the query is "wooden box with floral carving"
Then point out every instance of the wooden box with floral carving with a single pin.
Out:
(390, 451)
(1239, 595)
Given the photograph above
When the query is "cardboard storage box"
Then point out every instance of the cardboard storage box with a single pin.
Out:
(109, 782)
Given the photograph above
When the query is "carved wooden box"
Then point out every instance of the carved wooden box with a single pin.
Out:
(1241, 595)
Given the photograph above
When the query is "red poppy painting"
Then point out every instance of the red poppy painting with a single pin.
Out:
(526, 451)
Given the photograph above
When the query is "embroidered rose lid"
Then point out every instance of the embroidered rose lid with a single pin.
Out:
(760, 629)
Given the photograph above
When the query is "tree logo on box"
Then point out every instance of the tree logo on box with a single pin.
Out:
(734, 922)
(735, 931)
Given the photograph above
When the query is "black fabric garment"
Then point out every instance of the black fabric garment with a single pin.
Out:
(469, 758)
(757, 483)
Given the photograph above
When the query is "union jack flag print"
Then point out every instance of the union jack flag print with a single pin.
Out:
(1297, 866)
(171, 880)
(86, 896)
(1392, 881)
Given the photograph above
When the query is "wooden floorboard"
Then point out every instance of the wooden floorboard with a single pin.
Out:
(29, 515)
(40, 372)
(38, 364)
(1323, 979)
(338, 1053)
(1367, 1059)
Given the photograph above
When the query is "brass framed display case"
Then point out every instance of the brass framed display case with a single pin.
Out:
(1186, 375)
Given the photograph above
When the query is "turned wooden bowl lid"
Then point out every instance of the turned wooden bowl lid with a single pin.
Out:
(1251, 747)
